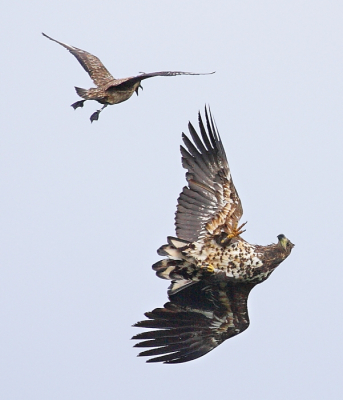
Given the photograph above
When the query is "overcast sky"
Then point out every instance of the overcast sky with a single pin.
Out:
(85, 206)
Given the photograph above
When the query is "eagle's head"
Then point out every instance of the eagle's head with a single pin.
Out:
(285, 243)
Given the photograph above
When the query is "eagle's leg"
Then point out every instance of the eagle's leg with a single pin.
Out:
(224, 239)
(207, 267)
(78, 104)
(95, 115)
(236, 231)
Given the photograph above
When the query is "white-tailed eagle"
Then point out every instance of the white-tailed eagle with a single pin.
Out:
(211, 267)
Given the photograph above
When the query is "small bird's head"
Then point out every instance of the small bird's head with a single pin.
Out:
(286, 244)
(138, 87)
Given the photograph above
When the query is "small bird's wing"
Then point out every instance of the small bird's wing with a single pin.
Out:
(210, 204)
(91, 64)
(129, 82)
(194, 322)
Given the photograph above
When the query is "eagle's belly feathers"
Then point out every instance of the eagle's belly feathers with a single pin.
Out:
(239, 260)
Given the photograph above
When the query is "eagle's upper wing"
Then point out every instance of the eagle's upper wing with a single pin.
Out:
(194, 322)
(125, 83)
(210, 203)
(92, 65)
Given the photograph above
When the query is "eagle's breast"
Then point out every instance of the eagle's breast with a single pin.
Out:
(239, 260)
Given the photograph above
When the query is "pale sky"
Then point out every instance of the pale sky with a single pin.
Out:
(85, 206)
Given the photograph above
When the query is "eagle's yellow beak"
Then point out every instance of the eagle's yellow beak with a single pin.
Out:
(283, 241)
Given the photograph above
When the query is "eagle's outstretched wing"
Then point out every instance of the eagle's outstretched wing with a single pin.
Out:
(194, 322)
(91, 64)
(210, 204)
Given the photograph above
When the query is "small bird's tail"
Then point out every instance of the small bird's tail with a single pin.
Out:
(82, 93)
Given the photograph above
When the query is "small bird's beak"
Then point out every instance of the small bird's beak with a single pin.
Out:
(140, 86)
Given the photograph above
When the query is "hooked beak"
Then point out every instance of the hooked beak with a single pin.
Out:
(284, 242)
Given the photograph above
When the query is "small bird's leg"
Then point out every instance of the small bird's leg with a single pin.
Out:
(95, 115)
(78, 104)
(138, 87)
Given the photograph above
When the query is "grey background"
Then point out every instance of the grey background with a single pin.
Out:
(85, 206)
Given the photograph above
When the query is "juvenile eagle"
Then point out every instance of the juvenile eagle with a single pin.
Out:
(109, 90)
(211, 267)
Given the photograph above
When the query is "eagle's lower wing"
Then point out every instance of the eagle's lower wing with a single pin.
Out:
(210, 204)
(91, 64)
(194, 322)
(125, 83)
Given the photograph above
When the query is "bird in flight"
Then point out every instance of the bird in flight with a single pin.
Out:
(211, 267)
(109, 90)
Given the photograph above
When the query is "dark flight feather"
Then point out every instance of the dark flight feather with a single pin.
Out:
(194, 322)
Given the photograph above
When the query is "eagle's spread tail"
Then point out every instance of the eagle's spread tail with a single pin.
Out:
(174, 248)
(176, 267)
(180, 272)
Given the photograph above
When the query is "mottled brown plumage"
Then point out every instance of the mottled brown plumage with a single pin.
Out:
(211, 267)
(109, 90)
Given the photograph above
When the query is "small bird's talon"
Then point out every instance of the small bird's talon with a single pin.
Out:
(78, 104)
(95, 116)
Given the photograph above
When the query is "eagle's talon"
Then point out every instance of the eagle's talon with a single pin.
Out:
(236, 231)
(209, 268)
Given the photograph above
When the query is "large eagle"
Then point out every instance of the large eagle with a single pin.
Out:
(211, 267)
(109, 90)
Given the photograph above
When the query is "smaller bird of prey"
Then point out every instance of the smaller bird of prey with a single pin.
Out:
(211, 267)
(109, 90)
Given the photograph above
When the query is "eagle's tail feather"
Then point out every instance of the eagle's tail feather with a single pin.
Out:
(180, 272)
(175, 269)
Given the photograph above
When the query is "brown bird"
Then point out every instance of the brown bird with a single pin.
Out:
(212, 268)
(109, 90)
